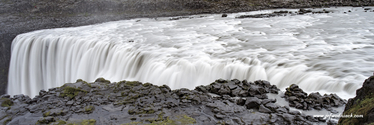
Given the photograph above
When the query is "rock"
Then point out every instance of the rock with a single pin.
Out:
(236, 92)
(5, 96)
(46, 120)
(263, 109)
(293, 98)
(224, 15)
(361, 104)
(252, 102)
(303, 11)
(69, 103)
(219, 116)
(266, 101)
(311, 118)
(128, 102)
(288, 118)
(282, 11)
(301, 100)
(201, 89)
(224, 90)
(272, 106)
(221, 81)
(282, 110)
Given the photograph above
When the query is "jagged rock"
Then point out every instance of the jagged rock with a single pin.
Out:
(252, 102)
(201, 88)
(301, 100)
(219, 116)
(272, 106)
(362, 104)
(130, 101)
(264, 109)
(46, 120)
(282, 110)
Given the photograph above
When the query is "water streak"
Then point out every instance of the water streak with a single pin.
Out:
(322, 52)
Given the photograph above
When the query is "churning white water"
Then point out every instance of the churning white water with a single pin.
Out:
(320, 52)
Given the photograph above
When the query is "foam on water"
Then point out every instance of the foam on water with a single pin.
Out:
(320, 52)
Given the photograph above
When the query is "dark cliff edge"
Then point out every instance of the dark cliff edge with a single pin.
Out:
(133, 103)
(21, 16)
(360, 109)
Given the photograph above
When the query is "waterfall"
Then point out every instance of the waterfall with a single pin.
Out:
(184, 54)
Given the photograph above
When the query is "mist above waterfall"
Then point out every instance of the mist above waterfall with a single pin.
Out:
(319, 52)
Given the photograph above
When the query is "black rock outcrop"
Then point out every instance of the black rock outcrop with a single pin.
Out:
(132, 102)
(301, 100)
(360, 109)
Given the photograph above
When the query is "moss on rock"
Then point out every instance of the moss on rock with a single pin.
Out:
(361, 108)
(89, 122)
(133, 83)
(71, 92)
(102, 80)
(46, 114)
(60, 122)
(6, 102)
(177, 120)
(7, 120)
(89, 109)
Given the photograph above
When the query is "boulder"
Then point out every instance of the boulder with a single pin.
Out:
(252, 102)
(361, 105)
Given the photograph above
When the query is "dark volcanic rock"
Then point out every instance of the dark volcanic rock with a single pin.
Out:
(301, 100)
(124, 102)
(360, 109)
(283, 13)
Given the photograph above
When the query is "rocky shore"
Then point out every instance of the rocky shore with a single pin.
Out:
(132, 102)
(21, 16)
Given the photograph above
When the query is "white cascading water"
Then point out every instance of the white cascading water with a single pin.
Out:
(329, 53)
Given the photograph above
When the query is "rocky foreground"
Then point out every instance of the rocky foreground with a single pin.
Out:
(132, 102)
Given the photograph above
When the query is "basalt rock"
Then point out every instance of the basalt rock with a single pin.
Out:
(284, 13)
(360, 109)
(132, 102)
(299, 99)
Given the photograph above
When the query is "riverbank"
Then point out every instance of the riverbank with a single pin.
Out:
(132, 102)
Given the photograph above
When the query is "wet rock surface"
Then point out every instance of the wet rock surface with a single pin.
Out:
(132, 102)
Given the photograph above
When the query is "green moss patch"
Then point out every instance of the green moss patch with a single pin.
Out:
(147, 84)
(60, 122)
(46, 114)
(7, 120)
(88, 122)
(71, 91)
(89, 109)
(362, 107)
(178, 120)
(133, 123)
(83, 122)
(6, 102)
(133, 83)
(140, 111)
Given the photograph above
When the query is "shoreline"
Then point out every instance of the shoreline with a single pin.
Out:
(132, 102)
